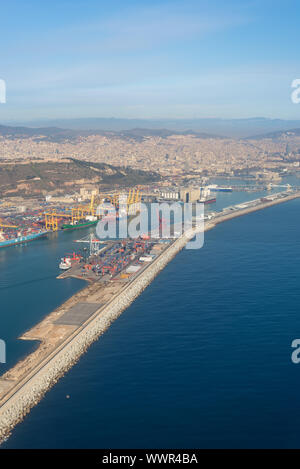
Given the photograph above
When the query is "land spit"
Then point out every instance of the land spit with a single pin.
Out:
(25, 384)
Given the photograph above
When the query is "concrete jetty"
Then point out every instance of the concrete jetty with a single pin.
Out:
(30, 389)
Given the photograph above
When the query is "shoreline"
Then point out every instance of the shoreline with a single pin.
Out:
(31, 388)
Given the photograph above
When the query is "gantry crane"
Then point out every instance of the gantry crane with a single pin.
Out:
(80, 212)
(76, 214)
(51, 219)
(4, 225)
(132, 201)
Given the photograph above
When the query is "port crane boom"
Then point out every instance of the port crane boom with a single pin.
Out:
(4, 225)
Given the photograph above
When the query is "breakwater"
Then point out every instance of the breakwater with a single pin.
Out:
(33, 388)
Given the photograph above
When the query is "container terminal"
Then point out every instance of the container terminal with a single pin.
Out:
(22, 224)
(20, 228)
(103, 260)
(110, 260)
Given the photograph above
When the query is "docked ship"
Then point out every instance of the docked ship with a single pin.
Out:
(205, 197)
(11, 239)
(67, 261)
(76, 225)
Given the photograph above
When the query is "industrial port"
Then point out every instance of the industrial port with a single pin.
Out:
(117, 272)
(22, 224)
(107, 260)
(21, 228)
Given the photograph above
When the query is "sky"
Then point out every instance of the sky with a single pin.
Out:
(149, 59)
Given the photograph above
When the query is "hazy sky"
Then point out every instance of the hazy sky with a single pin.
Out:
(125, 58)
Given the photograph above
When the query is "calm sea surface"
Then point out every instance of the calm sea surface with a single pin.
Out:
(200, 359)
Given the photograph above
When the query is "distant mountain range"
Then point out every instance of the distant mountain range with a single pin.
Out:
(140, 133)
(56, 134)
(59, 134)
(236, 128)
(264, 129)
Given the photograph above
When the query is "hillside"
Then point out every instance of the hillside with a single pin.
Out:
(280, 134)
(69, 175)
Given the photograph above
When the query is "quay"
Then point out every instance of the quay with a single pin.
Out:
(68, 331)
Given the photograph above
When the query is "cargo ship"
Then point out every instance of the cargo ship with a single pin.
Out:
(79, 224)
(7, 240)
(67, 261)
(210, 200)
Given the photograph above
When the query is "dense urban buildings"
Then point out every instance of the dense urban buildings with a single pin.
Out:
(173, 155)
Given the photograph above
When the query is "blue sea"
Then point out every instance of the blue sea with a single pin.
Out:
(201, 359)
